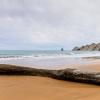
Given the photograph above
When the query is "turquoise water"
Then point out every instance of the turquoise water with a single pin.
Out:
(48, 59)
(45, 53)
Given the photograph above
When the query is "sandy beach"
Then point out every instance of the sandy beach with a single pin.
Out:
(42, 88)
(49, 50)
(89, 66)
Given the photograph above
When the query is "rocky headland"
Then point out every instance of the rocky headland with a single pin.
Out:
(91, 47)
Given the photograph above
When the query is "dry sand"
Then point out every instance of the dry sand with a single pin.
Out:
(41, 88)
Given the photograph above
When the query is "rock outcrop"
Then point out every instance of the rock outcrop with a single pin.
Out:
(62, 49)
(91, 47)
(85, 76)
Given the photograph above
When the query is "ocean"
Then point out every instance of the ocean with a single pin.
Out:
(46, 59)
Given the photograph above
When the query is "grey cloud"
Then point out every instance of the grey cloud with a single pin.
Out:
(58, 22)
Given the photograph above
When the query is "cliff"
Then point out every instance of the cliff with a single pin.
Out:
(91, 47)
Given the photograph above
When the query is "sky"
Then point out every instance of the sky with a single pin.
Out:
(48, 24)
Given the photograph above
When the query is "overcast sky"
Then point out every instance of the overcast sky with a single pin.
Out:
(48, 24)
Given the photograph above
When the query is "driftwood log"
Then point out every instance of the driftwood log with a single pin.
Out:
(84, 76)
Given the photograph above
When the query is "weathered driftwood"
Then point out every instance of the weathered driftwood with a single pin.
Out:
(85, 76)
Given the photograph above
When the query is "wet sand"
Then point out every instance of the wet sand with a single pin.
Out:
(42, 88)
(90, 66)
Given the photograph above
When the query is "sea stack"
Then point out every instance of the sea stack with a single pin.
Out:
(62, 49)
(91, 47)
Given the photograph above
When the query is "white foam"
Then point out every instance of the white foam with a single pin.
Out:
(84, 72)
(45, 55)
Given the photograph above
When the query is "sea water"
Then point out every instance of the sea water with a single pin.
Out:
(48, 59)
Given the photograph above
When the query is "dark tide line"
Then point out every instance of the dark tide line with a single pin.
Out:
(83, 76)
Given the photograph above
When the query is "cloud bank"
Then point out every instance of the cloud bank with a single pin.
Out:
(48, 24)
